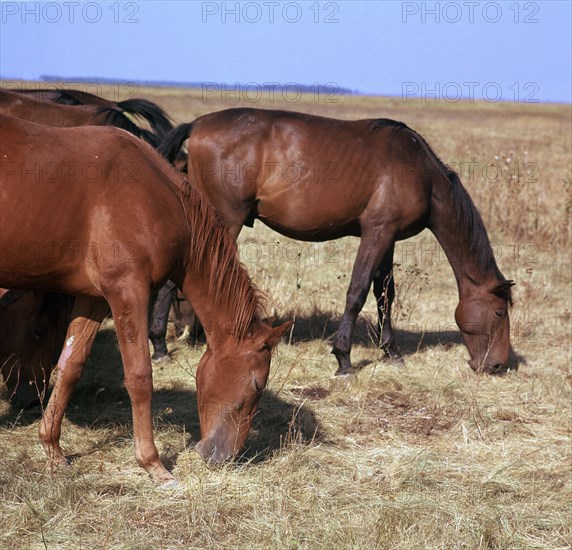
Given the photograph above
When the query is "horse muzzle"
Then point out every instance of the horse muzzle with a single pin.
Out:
(214, 451)
(489, 368)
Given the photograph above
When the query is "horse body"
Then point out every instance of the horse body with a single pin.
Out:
(65, 116)
(301, 186)
(51, 114)
(70, 108)
(314, 178)
(66, 254)
(151, 112)
(110, 240)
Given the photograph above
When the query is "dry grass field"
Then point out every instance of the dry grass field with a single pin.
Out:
(427, 455)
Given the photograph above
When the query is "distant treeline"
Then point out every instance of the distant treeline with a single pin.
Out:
(322, 88)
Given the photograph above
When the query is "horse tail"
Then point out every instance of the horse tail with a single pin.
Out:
(147, 110)
(116, 117)
(173, 141)
(151, 112)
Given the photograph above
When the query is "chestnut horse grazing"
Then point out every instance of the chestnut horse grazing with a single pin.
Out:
(66, 108)
(314, 179)
(109, 238)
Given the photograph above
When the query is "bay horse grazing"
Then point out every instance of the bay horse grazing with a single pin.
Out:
(314, 179)
(142, 108)
(111, 241)
(32, 330)
(51, 114)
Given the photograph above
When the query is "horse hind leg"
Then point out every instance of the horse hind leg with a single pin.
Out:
(384, 292)
(158, 319)
(86, 318)
(373, 247)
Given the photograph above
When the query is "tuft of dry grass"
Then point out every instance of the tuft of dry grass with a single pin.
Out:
(426, 455)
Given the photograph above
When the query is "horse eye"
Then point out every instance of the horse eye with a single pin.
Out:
(499, 312)
(257, 386)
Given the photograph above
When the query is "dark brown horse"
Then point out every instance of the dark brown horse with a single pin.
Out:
(51, 114)
(141, 108)
(109, 238)
(314, 179)
(32, 330)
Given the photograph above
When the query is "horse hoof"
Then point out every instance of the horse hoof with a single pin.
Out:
(58, 465)
(396, 360)
(169, 485)
(393, 354)
(159, 358)
(344, 373)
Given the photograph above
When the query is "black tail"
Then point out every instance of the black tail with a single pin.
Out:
(117, 118)
(173, 141)
(151, 112)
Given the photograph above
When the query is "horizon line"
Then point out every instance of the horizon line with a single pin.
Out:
(265, 86)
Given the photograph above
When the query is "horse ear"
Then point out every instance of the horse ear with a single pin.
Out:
(270, 320)
(505, 285)
(276, 333)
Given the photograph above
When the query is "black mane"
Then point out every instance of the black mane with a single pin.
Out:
(469, 220)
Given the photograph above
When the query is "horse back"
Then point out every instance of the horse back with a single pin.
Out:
(44, 112)
(79, 203)
(306, 176)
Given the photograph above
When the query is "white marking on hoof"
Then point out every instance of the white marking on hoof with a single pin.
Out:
(169, 485)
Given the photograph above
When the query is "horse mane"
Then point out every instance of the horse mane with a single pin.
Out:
(61, 96)
(210, 242)
(229, 281)
(65, 97)
(469, 220)
(378, 123)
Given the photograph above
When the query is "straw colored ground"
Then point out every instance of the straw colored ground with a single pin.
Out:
(426, 455)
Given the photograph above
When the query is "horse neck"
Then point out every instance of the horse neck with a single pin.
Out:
(457, 225)
(217, 316)
(216, 284)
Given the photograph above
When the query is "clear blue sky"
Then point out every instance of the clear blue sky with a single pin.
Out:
(518, 49)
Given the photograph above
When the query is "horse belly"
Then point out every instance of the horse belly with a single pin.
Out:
(311, 216)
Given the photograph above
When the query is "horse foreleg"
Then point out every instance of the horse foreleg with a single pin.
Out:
(158, 318)
(373, 247)
(384, 291)
(86, 317)
(129, 307)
